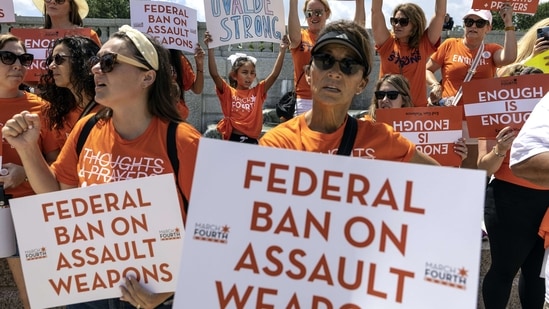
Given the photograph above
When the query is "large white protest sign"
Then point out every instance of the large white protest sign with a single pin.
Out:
(7, 12)
(286, 229)
(79, 245)
(174, 25)
(240, 21)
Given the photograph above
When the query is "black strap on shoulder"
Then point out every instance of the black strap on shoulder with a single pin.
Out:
(88, 108)
(171, 142)
(349, 135)
(84, 134)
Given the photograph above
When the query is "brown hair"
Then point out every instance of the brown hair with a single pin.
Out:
(417, 20)
(400, 83)
(74, 17)
(8, 37)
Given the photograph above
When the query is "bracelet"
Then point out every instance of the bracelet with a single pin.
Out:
(499, 155)
(510, 28)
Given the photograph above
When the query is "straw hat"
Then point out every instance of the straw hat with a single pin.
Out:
(83, 8)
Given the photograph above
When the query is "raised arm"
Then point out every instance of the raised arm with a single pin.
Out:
(294, 27)
(360, 13)
(269, 81)
(434, 29)
(380, 32)
(198, 84)
(22, 132)
(508, 54)
(212, 66)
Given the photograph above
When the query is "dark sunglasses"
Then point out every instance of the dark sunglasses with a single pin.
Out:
(56, 1)
(57, 59)
(107, 62)
(317, 13)
(403, 21)
(9, 58)
(468, 22)
(348, 66)
(392, 95)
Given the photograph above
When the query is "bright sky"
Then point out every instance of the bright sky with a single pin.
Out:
(340, 9)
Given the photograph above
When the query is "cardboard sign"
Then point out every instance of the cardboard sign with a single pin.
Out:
(7, 12)
(433, 130)
(293, 229)
(174, 25)
(79, 245)
(243, 21)
(492, 104)
(520, 7)
(37, 42)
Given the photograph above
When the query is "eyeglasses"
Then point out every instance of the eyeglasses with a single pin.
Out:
(57, 59)
(56, 1)
(392, 95)
(403, 21)
(479, 22)
(107, 62)
(317, 13)
(348, 66)
(9, 58)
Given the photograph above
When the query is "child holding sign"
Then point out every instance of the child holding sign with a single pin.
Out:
(242, 105)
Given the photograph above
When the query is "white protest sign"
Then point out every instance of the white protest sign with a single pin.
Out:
(289, 229)
(7, 12)
(79, 245)
(240, 21)
(172, 24)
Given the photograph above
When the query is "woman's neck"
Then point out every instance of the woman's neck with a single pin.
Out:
(472, 44)
(62, 23)
(130, 124)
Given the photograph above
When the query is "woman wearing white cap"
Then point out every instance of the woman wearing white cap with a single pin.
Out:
(455, 56)
(65, 14)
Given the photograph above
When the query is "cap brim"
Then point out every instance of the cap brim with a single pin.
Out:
(337, 38)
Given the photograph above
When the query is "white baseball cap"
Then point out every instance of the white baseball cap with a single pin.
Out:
(484, 14)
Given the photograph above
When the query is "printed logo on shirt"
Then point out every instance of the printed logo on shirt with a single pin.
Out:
(454, 277)
(36, 254)
(103, 167)
(211, 232)
(364, 153)
(243, 104)
(403, 61)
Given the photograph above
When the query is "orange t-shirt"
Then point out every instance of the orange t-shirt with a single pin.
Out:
(301, 56)
(374, 140)
(243, 110)
(107, 157)
(187, 82)
(398, 58)
(95, 37)
(71, 118)
(455, 60)
(34, 104)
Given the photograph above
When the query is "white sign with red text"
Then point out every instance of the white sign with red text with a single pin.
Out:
(288, 229)
(79, 245)
(7, 12)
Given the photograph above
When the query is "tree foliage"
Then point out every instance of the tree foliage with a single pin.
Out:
(522, 21)
(110, 9)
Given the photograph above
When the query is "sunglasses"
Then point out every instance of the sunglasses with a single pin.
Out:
(9, 58)
(317, 13)
(392, 95)
(57, 59)
(348, 66)
(56, 1)
(468, 22)
(403, 21)
(107, 62)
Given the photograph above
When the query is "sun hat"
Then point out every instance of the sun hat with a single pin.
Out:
(484, 14)
(83, 8)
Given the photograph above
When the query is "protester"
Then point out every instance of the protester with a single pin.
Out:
(68, 85)
(65, 14)
(302, 40)
(456, 55)
(241, 102)
(333, 87)
(133, 81)
(448, 23)
(406, 49)
(185, 77)
(513, 211)
(14, 63)
(393, 91)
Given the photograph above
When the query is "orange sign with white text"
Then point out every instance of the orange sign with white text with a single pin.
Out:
(521, 7)
(37, 42)
(493, 104)
(434, 130)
